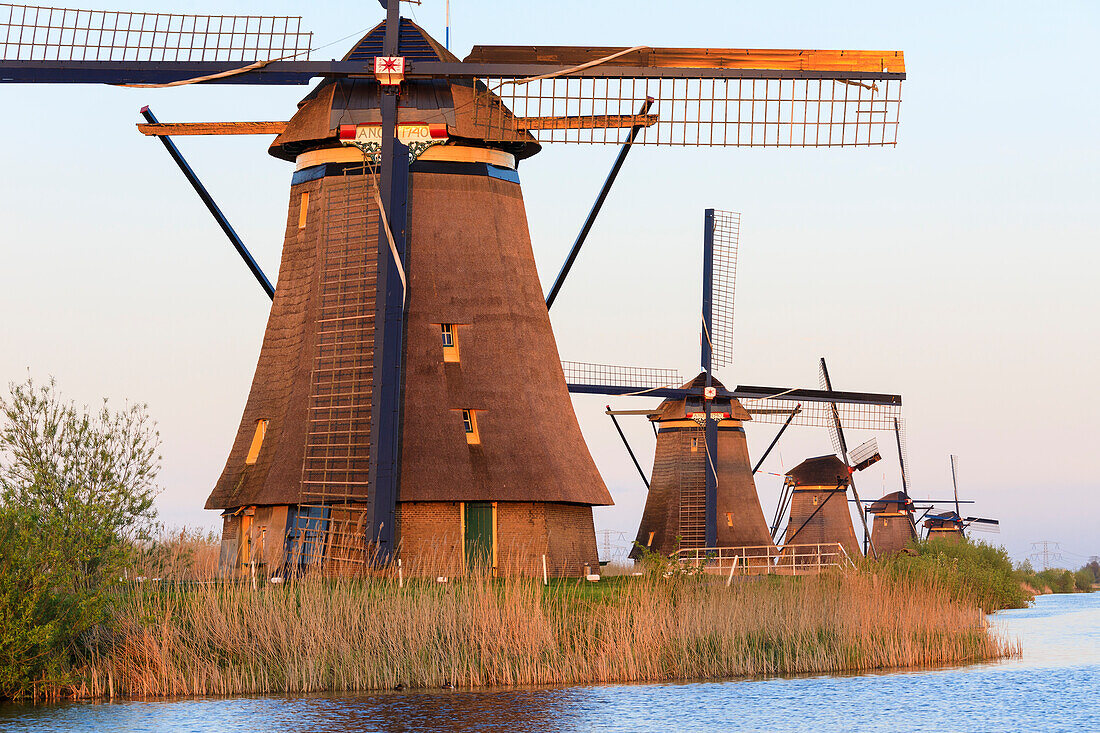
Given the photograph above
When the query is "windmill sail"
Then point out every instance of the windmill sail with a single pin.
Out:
(38, 33)
(727, 231)
(723, 97)
(865, 454)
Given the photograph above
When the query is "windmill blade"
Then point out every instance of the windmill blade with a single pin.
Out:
(45, 44)
(814, 414)
(955, 479)
(903, 452)
(742, 97)
(865, 455)
(836, 430)
(725, 234)
(627, 378)
(980, 524)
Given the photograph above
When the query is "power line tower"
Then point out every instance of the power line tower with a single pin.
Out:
(1046, 552)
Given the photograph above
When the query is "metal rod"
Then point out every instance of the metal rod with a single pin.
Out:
(710, 427)
(955, 483)
(384, 473)
(780, 509)
(741, 393)
(901, 456)
(622, 435)
(775, 440)
(575, 250)
(708, 290)
(212, 207)
(303, 72)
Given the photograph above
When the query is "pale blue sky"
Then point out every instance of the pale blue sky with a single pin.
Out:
(958, 269)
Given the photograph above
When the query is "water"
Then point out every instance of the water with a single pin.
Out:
(1054, 687)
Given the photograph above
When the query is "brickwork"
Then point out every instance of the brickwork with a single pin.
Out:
(892, 532)
(820, 514)
(431, 539)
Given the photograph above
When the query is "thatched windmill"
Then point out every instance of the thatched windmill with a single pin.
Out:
(408, 391)
(951, 525)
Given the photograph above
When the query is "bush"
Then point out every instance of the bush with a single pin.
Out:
(1083, 579)
(76, 494)
(975, 571)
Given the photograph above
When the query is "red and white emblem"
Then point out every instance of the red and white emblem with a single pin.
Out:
(389, 70)
(710, 393)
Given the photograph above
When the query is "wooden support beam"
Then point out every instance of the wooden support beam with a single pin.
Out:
(703, 58)
(211, 128)
(585, 122)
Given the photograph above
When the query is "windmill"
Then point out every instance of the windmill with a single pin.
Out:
(951, 525)
(894, 527)
(815, 490)
(702, 494)
(408, 389)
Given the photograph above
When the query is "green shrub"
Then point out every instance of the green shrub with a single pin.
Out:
(1083, 579)
(76, 494)
(977, 571)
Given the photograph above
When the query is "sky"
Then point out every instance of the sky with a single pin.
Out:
(958, 269)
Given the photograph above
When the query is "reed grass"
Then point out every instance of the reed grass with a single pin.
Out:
(318, 634)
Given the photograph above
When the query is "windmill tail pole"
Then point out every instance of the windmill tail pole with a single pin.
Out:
(568, 265)
(212, 207)
(628, 449)
(862, 515)
(775, 440)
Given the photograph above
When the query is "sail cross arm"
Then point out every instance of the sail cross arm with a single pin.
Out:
(777, 59)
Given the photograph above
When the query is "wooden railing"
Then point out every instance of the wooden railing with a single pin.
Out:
(768, 559)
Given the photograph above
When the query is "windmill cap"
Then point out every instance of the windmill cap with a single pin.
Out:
(681, 408)
(820, 471)
(464, 109)
(898, 501)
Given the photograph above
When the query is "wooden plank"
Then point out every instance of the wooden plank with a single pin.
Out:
(700, 58)
(584, 122)
(212, 128)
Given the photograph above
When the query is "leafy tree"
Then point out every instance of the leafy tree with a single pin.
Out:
(76, 495)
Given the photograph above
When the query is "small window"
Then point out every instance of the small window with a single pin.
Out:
(649, 542)
(303, 210)
(450, 341)
(815, 499)
(257, 442)
(694, 445)
(729, 519)
(469, 422)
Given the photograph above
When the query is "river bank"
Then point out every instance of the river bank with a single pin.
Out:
(358, 635)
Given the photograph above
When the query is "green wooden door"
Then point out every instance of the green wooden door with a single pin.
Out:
(479, 535)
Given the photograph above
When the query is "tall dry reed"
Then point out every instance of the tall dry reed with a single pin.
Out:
(361, 634)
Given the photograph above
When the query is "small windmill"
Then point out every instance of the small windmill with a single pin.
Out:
(815, 490)
(406, 226)
(951, 525)
(703, 494)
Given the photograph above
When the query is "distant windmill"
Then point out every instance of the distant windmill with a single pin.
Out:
(894, 527)
(702, 493)
(816, 491)
(951, 525)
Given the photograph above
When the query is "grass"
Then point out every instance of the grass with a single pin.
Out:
(361, 634)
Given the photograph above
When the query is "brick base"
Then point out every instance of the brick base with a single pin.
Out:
(431, 542)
